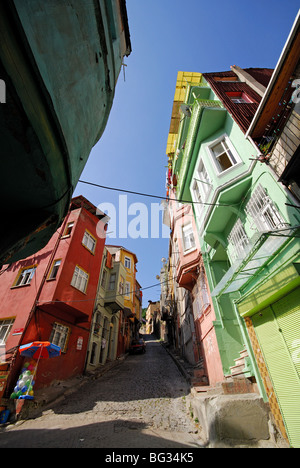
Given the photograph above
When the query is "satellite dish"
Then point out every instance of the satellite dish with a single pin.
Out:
(186, 110)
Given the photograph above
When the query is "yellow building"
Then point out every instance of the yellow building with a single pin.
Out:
(131, 307)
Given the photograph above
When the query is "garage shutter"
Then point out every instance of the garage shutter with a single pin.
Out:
(278, 332)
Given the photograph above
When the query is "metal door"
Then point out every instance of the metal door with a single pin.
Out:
(278, 331)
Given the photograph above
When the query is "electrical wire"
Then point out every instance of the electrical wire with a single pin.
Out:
(155, 196)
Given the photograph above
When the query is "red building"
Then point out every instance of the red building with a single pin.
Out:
(50, 296)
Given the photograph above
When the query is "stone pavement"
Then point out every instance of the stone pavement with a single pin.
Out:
(141, 401)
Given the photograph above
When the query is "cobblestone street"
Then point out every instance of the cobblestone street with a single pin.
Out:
(140, 403)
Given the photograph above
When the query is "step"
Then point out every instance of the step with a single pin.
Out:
(238, 386)
(202, 388)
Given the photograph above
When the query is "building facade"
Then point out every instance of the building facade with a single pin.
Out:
(50, 121)
(50, 296)
(233, 158)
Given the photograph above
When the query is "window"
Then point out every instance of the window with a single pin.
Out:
(239, 98)
(55, 268)
(238, 241)
(89, 241)
(188, 237)
(223, 155)
(127, 289)
(25, 276)
(112, 282)
(80, 279)
(263, 212)
(68, 229)
(59, 336)
(5, 327)
(175, 252)
(97, 324)
(121, 285)
(103, 280)
(127, 262)
(93, 353)
(201, 187)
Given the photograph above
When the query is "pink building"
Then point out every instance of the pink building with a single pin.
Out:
(50, 296)
(198, 337)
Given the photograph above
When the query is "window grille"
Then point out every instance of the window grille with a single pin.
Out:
(263, 212)
(238, 241)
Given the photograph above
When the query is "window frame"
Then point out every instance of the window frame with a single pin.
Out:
(258, 206)
(127, 286)
(9, 325)
(84, 275)
(65, 338)
(188, 228)
(112, 284)
(238, 240)
(127, 260)
(232, 156)
(87, 235)
(18, 284)
(50, 277)
(69, 229)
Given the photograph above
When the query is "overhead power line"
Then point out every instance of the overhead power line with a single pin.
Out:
(155, 196)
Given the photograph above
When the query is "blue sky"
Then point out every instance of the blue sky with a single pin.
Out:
(168, 36)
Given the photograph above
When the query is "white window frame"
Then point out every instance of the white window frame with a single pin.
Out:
(5, 328)
(89, 242)
(188, 238)
(238, 241)
(80, 279)
(263, 212)
(127, 262)
(230, 151)
(60, 335)
(201, 187)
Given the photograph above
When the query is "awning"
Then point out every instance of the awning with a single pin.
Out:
(260, 253)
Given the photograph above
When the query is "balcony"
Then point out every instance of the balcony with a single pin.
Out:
(263, 248)
(114, 295)
(207, 117)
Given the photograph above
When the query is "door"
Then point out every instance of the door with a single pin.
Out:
(278, 331)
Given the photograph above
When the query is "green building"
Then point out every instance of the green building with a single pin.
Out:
(59, 65)
(248, 224)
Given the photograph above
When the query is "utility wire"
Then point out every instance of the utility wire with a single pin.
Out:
(155, 196)
(115, 295)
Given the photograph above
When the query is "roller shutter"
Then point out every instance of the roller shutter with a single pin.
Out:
(278, 331)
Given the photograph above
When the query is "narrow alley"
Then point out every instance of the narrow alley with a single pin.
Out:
(140, 403)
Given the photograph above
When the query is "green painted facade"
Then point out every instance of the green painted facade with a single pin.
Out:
(60, 62)
(235, 270)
